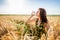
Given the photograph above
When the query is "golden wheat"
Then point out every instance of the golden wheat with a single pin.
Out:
(11, 22)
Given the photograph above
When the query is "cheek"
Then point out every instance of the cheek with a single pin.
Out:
(37, 14)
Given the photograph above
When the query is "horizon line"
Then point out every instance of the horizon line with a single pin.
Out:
(23, 15)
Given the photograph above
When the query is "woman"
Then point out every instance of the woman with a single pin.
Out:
(41, 22)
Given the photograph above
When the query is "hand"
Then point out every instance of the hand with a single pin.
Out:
(33, 13)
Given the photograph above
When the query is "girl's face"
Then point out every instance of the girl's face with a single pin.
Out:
(38, 13)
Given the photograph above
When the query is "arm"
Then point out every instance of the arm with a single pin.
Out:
(31, 18)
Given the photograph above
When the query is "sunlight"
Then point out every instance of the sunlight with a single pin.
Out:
(16, 6)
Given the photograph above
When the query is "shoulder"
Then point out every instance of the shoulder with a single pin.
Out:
(46, 25)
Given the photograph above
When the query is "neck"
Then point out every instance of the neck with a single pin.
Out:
(39, 18)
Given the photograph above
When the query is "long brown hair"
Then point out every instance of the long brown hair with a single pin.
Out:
(43, 15)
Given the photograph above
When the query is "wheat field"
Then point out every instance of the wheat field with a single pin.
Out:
(8, 27)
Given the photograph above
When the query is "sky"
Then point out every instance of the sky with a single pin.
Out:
(52, 7)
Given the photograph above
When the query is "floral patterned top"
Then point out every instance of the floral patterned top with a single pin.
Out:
(40, 29)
